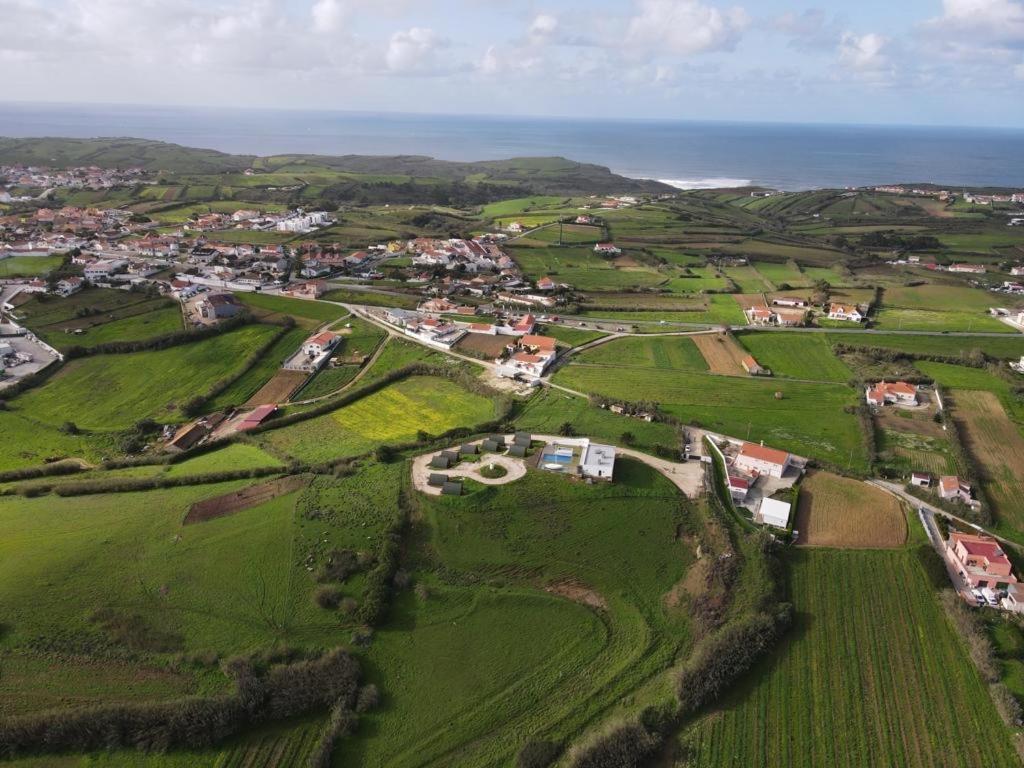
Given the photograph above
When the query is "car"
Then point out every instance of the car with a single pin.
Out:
(990, 596)
(620, 329)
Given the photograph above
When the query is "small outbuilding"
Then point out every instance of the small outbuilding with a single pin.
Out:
(440, 462)
(437, 479)
(517, 451)
(499, 439)
(452, 456)
(451, 488)
(492, 446)
(774, 513)
(469, 449)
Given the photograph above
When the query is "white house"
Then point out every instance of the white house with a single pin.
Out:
(597, 461)
(897, 392)
(313, 353)
(774, 512)
(607, 249)
(68, 286)
(847, 312)
(758, 460)
(322, 342)
(102, 270)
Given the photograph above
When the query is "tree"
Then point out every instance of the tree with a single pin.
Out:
(69, 428)
(566, 429)
(627, 438)
(385, 454)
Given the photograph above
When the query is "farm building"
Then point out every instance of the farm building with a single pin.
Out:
(774, 512)
(980, 560)
(759, 460)
(921, 479)
(760, 316)
(953, 488)
(790, 301)
(751, 366)
(189, 436)
(257, 416)
(896, 392)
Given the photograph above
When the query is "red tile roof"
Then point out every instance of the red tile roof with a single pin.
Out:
(762, 453)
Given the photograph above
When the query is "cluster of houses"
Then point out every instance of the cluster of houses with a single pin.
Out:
(296, 221)
(1015, 197)
(891, 189)
(82, 177)
(791, 311)
(527, 358)
(754, 473)
(985, 571)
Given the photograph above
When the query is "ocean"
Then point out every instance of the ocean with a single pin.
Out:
(688, 154)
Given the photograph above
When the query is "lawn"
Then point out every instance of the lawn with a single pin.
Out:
(232, 457)
(249, 383)
(796, 355)
(372, 298)
(898, 319)
(392, 415)
(869, 675)
(112, 392)
(808, 419)
(27, 441)
(570, 337)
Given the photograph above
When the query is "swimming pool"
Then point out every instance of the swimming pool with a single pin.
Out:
(560, 457)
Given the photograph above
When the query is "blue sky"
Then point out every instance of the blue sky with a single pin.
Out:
(952, 62)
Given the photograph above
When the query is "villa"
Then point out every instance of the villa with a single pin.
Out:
(980, 560)
(895, 392)
(758, 460)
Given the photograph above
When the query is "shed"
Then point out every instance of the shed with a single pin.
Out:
(774, 512)
(519, 451)
(451, 489)
(499, 439)
(440, 462)
(492, 446)
(469, 449)
(452, 456)
(523, 438)
(437, 479)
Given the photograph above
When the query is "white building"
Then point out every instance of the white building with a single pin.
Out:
(758, 460)
(774, 512)
(846, 312)
(597, 461)
(102, 270)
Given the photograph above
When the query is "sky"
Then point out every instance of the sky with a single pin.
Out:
(930, 62)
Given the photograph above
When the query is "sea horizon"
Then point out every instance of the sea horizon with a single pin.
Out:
(687, 154)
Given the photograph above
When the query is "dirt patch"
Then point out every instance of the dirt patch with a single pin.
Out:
(836, 511)
(920, 423)
(251, 496)
(625, 261)
(722, 353)
(482, 344)
(578, 593)
(279, 388)
(747, 300)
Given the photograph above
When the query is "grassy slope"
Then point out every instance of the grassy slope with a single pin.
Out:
(109, 392)
(797, 355)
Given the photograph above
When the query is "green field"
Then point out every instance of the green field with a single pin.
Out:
(660, 352)
(391, 415)
(160, 321)
(249, 383)
(841, 691)
(29, 266)
(372, 298)
(805, 356)
(318, 311)
(512, 660)
(1008, 348)
(809, 419)
(583, 269)
(111, 392)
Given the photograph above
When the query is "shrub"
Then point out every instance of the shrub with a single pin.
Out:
(328, 597)
(341, 563)
(538, 754)
(341, 723)
(627, 745)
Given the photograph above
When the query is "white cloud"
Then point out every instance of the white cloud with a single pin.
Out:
(413, 50)
(543, 28)
(686, 27)
(808, 29)
(987, 23)
(863, 53)
(328, 15)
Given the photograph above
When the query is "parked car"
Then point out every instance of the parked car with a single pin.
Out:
(990, 596)
(979, 598)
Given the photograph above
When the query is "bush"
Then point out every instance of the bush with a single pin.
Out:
(341, 563)
(189, 723)
(628, 745)
(538, 754)
(328, 597)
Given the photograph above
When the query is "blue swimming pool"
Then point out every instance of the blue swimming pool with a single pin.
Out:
(559, 458)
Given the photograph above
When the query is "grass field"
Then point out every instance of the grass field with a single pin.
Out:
(29, 266)
(995, 443)
(796, 355)
(156, 318)
(392, 415)
(869, 675)
(111, 392)
(660, 352)
(583, 269)
(898, 319)
(809, 419)
(250, 382)
(300, 309)
(372, 298)
(1007, 348)
(27, 442)
(513, 660)
(836, 511)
